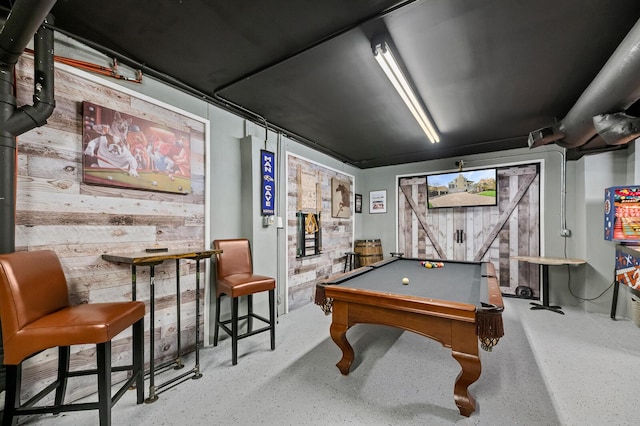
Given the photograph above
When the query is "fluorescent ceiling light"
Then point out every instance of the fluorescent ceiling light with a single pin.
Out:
(389, 65)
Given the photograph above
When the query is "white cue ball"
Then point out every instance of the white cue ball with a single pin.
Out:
(405, 281)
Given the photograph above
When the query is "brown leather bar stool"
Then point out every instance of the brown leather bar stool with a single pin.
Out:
(235, 278)
(36, 315)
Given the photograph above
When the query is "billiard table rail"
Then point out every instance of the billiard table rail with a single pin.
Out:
(321, 298)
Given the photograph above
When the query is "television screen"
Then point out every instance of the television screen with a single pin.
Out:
(470, 188)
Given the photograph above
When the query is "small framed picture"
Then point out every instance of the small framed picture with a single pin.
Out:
(358, 203)
(378, 201)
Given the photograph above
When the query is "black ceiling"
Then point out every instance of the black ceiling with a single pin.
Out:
(489, 72)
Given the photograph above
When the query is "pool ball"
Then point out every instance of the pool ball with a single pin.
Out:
(405, 281)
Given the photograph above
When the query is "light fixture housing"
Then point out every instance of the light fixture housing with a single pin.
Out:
(391, 68)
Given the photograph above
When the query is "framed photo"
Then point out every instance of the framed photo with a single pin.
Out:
(340, 198)
(378, 201)
(358, 203)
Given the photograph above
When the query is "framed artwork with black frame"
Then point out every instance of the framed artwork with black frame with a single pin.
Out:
(358, 203)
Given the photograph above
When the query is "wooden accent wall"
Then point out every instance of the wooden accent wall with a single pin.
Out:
(80, 222)
(490, 233)
(337, 233)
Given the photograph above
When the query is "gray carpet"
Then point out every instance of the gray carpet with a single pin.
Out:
(588, 362)
(398, 378)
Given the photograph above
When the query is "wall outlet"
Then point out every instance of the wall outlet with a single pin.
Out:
(565, 233)
(267, 220)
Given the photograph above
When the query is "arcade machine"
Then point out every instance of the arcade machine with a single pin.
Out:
(622, 225)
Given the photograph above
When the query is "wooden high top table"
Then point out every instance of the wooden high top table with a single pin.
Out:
(152, 259)
(544, 263)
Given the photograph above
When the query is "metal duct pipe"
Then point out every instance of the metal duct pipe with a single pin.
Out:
(615, 88)
(22, 23)
(28, 117)
(25, 20)
(617, 128)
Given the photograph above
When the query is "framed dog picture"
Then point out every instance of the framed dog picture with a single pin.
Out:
(125, 151)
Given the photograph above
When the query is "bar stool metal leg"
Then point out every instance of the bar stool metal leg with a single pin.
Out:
(349, 261)
(234, 331)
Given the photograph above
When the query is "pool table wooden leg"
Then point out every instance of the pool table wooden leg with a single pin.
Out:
(464, 348)
(339, 336)
(470, 373)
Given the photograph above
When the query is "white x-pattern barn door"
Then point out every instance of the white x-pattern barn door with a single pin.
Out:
(488, 233)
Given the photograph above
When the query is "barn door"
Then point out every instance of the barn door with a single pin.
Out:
(490, 233)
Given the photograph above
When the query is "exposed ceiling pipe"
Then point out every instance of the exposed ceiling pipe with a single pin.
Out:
(25, 20)
(613, 90)
(618, 128)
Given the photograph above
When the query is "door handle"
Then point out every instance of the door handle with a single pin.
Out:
(459, 236)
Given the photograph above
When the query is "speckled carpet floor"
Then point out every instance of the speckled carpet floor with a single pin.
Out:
(549, 369)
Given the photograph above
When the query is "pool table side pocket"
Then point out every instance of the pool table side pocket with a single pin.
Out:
(489, 325)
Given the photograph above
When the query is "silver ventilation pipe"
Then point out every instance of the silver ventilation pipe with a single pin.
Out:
(614, 89)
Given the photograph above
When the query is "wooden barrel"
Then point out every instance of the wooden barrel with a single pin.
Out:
(370, 251)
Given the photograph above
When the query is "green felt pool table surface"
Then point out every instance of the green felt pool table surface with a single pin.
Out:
(461, 282)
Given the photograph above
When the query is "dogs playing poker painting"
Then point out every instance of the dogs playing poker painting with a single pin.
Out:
(124, 151)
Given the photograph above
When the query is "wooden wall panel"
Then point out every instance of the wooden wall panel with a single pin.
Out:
(337, 234)
(80, 222)
(518, 235)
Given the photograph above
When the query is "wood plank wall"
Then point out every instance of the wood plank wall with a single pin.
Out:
(80, 222)
(519, 235)
(337, 234)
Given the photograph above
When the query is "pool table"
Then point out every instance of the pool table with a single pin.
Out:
(455, 304)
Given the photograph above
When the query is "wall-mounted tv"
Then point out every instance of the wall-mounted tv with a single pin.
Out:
(469, 188)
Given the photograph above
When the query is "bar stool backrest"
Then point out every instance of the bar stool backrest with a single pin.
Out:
(235, 257)
(32, 286)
